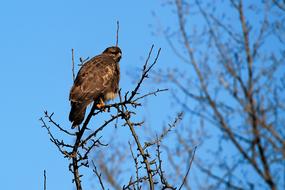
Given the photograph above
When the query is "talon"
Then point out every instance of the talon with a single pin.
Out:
(101, 104)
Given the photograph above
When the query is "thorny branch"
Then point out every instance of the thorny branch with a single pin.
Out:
(137, 167)
(142, 152)
(163, 179)
(166, 131)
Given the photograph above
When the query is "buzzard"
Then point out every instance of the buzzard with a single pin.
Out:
(97, 81)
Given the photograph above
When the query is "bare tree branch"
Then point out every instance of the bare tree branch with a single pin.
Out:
(98, 175)
(45, 180)
(117, 33)
(188, 169)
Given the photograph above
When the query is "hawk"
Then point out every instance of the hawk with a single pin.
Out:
(97, 81)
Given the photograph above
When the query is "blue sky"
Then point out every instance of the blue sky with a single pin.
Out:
(36, 38)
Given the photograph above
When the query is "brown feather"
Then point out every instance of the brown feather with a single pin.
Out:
(97, 78)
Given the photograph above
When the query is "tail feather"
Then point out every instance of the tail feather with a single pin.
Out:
(77, 113)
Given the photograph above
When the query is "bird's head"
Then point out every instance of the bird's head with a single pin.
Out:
(114, 52)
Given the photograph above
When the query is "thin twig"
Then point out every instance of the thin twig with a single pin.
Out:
(45, 180)
(117, 34)
(54, 140)
(165, 131)
(189, 167)
(131, 183)
(145, 71)
(49, 116)
(136, 164)
(160, 171)
(72, 58)
(98, 175)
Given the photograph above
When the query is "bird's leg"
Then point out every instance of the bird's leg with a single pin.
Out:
(101, 104)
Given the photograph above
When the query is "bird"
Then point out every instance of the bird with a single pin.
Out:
(97, 81)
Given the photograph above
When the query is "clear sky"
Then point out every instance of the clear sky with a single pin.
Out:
(36, 38)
